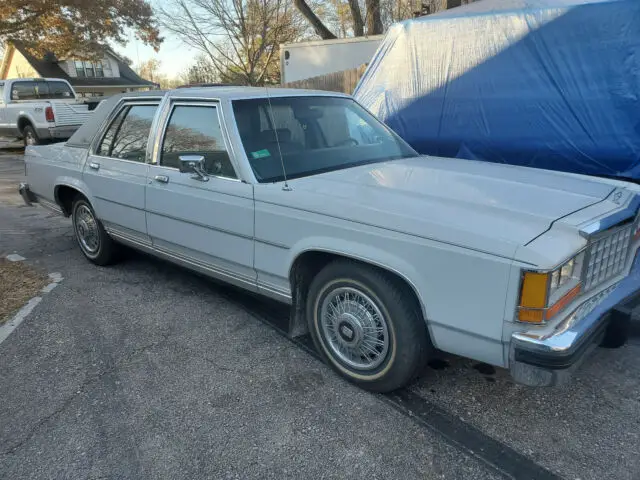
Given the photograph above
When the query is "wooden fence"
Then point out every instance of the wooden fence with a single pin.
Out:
(344, 81)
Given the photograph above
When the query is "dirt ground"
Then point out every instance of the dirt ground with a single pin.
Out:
(18, 283)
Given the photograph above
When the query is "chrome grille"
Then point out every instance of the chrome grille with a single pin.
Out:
(607, 256)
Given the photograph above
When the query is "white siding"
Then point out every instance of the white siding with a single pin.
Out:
(68, 67)
(115, 71)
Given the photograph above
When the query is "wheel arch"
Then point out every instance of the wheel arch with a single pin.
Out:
(66, 190)
(23, 121)
(306, 262)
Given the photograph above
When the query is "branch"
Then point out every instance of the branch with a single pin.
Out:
(313, 19)
(358, 23)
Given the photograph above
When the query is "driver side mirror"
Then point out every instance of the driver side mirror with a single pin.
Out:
(194, 164)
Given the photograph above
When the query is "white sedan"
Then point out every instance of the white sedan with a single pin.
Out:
(385, 255)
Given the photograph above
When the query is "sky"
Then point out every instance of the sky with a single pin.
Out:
(174, 56)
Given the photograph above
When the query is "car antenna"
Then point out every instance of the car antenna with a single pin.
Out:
(286, 186)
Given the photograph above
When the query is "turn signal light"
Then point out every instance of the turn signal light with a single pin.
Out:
(534, 298)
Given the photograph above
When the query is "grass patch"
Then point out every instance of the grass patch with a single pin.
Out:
(18, 283)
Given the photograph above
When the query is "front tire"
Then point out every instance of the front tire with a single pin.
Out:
(94, 242)
(30, 136)
(367, 326)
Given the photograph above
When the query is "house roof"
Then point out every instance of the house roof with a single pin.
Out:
(48, 68)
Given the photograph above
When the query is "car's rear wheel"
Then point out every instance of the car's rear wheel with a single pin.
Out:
(367, 325)
(30, 137)
(91, 236)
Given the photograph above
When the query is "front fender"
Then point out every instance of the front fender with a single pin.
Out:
(364, 253)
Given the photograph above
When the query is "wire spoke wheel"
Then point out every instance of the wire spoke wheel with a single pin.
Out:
(86, 228)
(355, 329)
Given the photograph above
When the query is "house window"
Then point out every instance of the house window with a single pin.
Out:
(89, 69)
(79, 68)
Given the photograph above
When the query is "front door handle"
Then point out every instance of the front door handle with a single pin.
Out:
(94, 166)
(161, 178)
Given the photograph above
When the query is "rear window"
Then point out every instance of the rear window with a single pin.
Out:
(40, 91)
(59, 90)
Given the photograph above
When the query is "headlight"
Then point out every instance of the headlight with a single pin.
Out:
(544, 294)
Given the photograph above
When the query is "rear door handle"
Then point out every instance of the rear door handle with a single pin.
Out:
(161, 178)
(94, 166)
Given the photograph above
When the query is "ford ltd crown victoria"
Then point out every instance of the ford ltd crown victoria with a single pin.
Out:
(384, 255)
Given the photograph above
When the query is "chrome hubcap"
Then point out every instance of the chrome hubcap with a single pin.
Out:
(87, 229)
(354, 328)
(30, 139)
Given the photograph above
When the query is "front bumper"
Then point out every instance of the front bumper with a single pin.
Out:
(543, 358)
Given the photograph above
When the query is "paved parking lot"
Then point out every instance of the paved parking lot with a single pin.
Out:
(143, 370)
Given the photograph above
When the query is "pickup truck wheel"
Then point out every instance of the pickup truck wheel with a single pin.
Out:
(367, 326)
(92, 238)
(30, 136)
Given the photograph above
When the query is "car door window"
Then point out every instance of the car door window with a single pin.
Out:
(127, 136)
(195, 130)
(23, 91)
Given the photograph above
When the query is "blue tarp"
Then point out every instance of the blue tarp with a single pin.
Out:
(551, 84)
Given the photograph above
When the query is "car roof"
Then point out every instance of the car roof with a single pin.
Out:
(84, 135)
(235, 93)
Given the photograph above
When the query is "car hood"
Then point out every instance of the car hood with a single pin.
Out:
(489, 207)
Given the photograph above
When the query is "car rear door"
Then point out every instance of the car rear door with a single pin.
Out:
(205, 224)
(116, 170)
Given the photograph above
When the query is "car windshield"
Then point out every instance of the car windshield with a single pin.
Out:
(315, 135)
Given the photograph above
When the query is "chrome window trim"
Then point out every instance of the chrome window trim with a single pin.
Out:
(104, 126)
(160, 129)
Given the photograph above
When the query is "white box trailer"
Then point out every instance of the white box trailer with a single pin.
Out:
(302, 60)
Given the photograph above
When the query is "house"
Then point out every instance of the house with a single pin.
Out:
(109, 76)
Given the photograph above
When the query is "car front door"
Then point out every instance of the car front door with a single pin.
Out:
(116, 171)
(204, 221)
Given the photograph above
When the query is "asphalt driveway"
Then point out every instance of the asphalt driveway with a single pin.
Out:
(143, 370)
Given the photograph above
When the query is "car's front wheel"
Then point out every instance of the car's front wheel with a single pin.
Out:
(367, 325)
(91, 236)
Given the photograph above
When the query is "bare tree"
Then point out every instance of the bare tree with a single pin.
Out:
(372, 18)
(356, 15)
(315, 21)
(202, 71)
(393, 11)
(149, 70)
(240, 38)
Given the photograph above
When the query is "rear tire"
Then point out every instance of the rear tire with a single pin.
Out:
(94, 242)
(367, 325)
(30, 137)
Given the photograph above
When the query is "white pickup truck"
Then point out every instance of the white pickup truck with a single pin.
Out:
(384, 255)
(39, 110)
